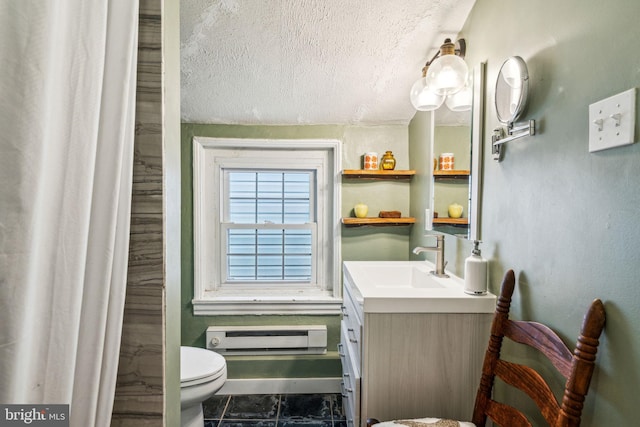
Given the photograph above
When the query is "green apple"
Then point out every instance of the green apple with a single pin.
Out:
(361, 210)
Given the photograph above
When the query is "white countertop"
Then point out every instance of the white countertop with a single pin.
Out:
(408, 287)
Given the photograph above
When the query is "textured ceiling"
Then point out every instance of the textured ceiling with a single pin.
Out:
(308, 61)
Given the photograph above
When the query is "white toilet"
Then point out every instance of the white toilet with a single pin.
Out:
(202, 373)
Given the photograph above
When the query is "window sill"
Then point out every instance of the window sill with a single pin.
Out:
(217, 305)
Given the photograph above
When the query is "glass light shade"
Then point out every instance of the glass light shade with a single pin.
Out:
(424, 99)
(461, 100)
(447, 74)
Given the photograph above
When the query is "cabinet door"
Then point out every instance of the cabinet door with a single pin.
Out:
(417, 365)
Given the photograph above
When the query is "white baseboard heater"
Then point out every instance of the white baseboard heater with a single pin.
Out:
(261, 340)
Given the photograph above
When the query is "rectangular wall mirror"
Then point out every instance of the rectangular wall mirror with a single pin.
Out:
(456, 186)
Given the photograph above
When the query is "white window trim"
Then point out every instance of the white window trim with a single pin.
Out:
(211, 299)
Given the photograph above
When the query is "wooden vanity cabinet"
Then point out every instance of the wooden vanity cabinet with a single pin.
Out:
(408, 365)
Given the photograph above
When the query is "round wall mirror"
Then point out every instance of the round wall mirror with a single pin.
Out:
(512, 90)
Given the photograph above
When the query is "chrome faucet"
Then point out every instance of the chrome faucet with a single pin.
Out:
(439, 250)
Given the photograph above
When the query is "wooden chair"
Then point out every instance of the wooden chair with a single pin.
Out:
(577, 368)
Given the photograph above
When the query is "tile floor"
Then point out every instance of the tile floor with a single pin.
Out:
(286, 410)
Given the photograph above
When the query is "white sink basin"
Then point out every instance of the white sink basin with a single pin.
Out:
(401, 276)
(409, 286)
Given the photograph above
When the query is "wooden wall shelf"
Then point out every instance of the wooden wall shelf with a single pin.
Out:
(462, 173)
(378, 174)
(373, 221)
(456, 221)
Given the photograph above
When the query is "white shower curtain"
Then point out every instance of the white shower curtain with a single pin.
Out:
(67, 95)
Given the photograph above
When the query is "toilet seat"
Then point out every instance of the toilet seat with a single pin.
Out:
(201, 366)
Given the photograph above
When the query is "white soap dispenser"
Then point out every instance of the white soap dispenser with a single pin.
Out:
(475, 272)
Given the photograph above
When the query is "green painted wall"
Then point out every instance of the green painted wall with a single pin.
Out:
(564, 219)
(357, 244)
(454, 139)
(421, 130)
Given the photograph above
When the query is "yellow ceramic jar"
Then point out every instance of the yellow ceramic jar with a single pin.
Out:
(388, 161)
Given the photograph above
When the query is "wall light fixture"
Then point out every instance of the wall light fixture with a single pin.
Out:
(443, 76)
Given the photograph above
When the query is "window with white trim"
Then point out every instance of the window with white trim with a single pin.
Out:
(266, 231)
(269, 226)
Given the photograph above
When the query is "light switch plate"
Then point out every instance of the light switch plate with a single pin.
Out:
(612, 121)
